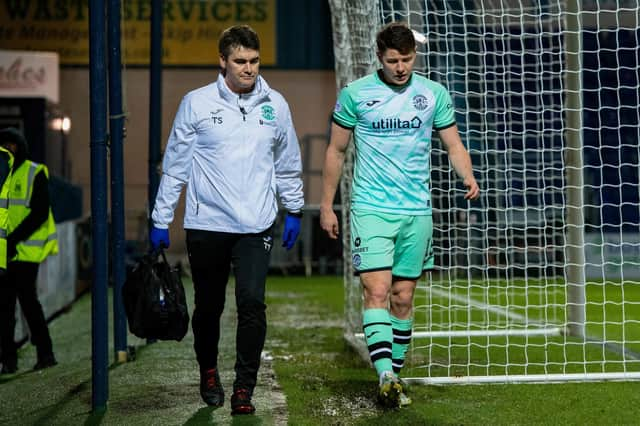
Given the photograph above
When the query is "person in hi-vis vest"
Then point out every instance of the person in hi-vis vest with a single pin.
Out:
(31, 237)
(6, 164)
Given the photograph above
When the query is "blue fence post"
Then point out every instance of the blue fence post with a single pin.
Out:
(155, 100)
(116, 131)
(98, 110)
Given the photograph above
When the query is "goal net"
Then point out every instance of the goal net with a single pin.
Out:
(539, 280)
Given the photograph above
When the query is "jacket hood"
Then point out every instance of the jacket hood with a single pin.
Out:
(11, 134)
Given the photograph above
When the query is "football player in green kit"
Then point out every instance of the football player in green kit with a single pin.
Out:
(391, 114)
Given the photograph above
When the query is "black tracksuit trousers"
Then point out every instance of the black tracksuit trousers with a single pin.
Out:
(19, 283)
(211, 256)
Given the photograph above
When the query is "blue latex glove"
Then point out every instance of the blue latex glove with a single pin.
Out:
(291, 231)
(159, 238)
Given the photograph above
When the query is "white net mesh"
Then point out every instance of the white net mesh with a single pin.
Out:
(354, 24)
(539, 280)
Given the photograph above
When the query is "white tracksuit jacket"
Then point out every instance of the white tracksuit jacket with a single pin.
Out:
(235, 153)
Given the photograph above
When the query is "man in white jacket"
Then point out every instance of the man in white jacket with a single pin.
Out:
(234, 146)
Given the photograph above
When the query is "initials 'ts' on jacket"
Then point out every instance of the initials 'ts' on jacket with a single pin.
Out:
(236, 153)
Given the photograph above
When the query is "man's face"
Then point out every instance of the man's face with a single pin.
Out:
(241, 67)
(396, 67)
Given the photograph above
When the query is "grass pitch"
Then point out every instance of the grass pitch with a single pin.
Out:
(325, 382)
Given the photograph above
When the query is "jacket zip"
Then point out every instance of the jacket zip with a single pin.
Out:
(242, 110)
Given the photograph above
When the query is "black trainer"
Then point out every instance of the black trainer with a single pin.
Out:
(45, 362)
(241, 402)
(210, 387)
(9, 367)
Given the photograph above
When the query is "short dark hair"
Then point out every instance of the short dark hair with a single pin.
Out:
(396, 35)
(238, 36)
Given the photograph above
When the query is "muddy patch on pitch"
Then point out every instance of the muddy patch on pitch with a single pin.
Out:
(340, 407)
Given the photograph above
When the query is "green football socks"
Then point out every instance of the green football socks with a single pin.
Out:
(376, 324)
(401, 340)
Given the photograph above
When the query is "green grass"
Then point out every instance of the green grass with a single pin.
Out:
(327, 383)
(612, 317)
(324, 380)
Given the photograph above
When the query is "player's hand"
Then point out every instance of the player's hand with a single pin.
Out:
(473, 190)
(291, 230)
(159, 238)
(329, 223)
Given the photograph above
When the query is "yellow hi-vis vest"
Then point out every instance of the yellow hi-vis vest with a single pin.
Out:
(43, 241)
(4, 207)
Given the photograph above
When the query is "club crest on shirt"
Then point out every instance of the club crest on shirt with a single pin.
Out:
(268, 113)
(420, 102)
(356, 260)
(338, 107)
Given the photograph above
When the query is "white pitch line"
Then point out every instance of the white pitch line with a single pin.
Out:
(499, 310)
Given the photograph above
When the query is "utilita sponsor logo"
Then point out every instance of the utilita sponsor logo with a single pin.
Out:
(397, 123)
(16, 77)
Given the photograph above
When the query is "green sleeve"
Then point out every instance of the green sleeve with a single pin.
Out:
(444, 114)
(344, 113)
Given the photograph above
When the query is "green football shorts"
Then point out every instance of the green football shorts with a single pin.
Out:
(383, 241)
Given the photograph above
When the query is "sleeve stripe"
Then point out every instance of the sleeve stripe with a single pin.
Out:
(344, 126)
(444, 127)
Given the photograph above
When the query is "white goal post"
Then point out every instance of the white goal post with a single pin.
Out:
(539, 280)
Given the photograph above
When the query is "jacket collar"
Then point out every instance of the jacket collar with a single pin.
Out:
(248, 101)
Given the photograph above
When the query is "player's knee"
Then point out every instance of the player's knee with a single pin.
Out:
(376, 297)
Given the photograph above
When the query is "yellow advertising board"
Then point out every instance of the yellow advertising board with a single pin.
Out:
(190, 28)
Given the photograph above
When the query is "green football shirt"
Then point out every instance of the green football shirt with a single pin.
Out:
(392, 128)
